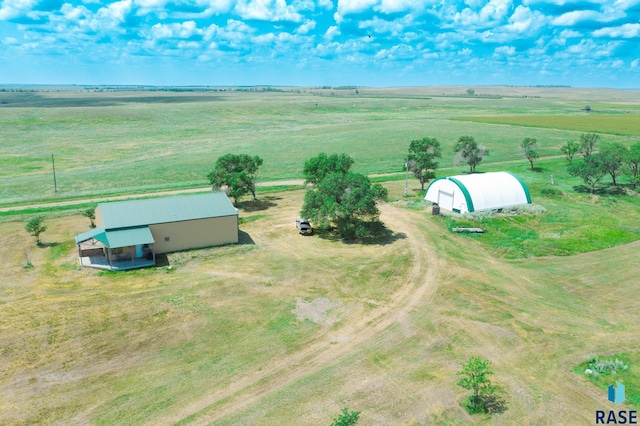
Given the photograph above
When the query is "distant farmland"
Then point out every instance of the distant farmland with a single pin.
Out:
(614, 124)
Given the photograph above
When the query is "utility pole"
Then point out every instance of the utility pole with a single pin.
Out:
(406, 178)
(55, 185)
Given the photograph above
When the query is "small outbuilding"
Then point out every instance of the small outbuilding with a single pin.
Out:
(129, 234)
(478, 192)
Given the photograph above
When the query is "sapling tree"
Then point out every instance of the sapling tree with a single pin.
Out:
(347, 418)
(474, 377)
(35, 227)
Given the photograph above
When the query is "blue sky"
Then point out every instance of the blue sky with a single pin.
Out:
(321, 42)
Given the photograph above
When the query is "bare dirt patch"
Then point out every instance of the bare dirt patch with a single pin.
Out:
(316, 311)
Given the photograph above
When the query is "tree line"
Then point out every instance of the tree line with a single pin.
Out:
(612, 158)
(342, 200)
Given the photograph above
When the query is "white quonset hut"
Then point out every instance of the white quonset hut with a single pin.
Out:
(478, 191)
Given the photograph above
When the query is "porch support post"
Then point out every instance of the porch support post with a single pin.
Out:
(109, 257)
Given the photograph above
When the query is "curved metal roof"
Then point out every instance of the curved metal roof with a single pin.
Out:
(484, 191)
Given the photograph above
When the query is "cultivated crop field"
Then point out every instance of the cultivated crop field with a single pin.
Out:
(218, 338)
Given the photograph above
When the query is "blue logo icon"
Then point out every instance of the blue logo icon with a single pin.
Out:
(616, 393)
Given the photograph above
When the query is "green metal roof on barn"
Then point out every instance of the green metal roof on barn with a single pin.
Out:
(127, 214)
(118, 237)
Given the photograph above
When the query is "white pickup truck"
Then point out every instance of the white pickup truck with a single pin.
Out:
(304, 227)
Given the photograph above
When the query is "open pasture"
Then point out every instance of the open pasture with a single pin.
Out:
(624, 124)
(113, 142)
(214, 339)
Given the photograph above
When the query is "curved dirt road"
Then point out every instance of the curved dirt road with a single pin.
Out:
(421, 284)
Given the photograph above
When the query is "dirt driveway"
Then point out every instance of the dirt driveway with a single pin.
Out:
(331, 346)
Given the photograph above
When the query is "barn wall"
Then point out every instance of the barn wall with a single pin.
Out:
(191, 234)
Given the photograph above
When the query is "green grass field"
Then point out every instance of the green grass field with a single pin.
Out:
(112, 143)
(214, 339)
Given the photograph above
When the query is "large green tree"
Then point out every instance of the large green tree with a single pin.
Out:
(474, 377)
(422, 158)
(590, 170)
(238, 173)
(613, 156)
(316, 168)
(588, 142)
(469, 152)
(529, 147)
(347, 201)
(632, 164)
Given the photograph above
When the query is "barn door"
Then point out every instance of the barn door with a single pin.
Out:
(445, 200)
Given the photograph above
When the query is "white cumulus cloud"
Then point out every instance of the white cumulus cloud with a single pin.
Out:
(306, 27)
(493, 12)
(14, 8)
(623, 31)
(267, 10)
(524, 20)
(576, 16)
(346, 7)
(331, 33)
(176, 30)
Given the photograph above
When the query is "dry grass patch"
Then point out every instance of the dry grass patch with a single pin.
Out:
(84, 346)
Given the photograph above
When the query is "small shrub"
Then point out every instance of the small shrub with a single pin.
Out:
(27, 260)
(524, 209)
(552, 192)
(480, 216)
(347, 418)
(607, 366)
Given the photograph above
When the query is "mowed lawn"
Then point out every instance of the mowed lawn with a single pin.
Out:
(156, 346)
(79, 345)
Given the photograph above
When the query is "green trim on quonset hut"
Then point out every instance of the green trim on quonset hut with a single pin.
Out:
(524, 187)
(467, 196)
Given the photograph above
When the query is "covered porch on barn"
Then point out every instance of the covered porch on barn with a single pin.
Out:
(116, 250)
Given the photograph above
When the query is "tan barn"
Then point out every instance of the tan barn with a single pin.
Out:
(129, 234)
